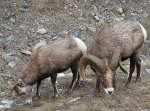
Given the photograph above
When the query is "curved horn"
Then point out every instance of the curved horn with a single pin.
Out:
(92, 60)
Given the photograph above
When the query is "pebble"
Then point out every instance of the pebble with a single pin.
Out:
(92, 29)
(55, 33)
(99, 24)
(28, 1)
(10, 38)
(5, 103)
(54, 38)
(64, 32)
(135, 16)
(143, 21)
(12, 20)
(119, 19)
(6, 34)
(41, 31)
(76, 35)
(12, 64)
(22, 9)
(120, 10)
(146, 14)
(8, 56)
(82, 28)
(7, 27)
(39, 44)
(22, 26)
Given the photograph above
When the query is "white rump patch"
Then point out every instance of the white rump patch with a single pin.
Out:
(81, 45)
(107, 90)
(144, 32)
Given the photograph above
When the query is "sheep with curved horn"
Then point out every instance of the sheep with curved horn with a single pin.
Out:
(113, 44)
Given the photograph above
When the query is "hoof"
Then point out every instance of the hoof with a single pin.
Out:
(56, 95)
(138, 80)
(36, 97)
(96, 93)
(69, 92)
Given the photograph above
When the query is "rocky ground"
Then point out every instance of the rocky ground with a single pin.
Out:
(26, 24)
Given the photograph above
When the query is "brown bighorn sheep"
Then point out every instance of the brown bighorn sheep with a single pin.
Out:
(47, 61)
(113, 44)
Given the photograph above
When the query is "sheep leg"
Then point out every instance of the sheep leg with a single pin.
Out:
(74, 70)
(37, 96)
(138, 66)
(77, 85)
(53, 80)
(132, 68)
(97, 88)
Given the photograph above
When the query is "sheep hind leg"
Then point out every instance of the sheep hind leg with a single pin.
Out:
(74, 70)
(53, 80)
(37, 96)
(132, 68)
(138, 66)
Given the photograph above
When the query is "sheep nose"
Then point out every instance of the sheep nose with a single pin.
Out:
(110, 92)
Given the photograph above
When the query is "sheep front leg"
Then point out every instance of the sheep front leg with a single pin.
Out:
(37, 96)
(97, 88)
(53, 80)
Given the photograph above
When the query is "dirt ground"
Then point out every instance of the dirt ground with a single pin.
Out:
(19, 22)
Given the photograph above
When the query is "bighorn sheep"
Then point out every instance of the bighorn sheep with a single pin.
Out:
(113, 44)
(47, 61)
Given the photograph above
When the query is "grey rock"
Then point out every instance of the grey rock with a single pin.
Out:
(82, 28)
(12, 20)
(28, 1)
(12, 64)
(7, 27)
(92, 29)
(98, 18)
(76, 35)
(6, 34)
(55, 33)
(119, 19)
(8, 56)
(143, 21)
(22, 9)
(10, 38)
(146, 14)
(39, 44)
(135, 16)
(54, 38)
(41, 31)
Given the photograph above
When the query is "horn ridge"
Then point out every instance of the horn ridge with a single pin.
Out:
(92, 60)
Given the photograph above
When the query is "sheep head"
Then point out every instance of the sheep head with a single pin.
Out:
(23, 91)
(105, 68)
